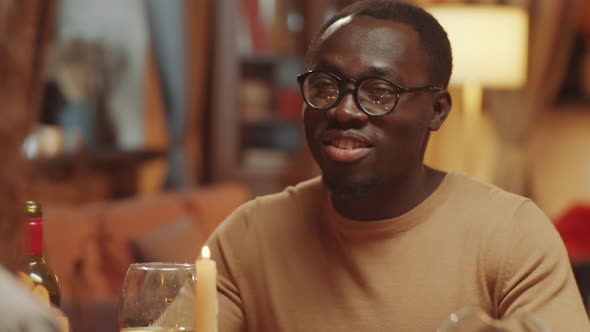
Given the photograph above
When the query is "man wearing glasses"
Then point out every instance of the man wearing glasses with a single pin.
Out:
(382, 242)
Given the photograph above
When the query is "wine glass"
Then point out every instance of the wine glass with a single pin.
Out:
(476, 320)
(158, 297)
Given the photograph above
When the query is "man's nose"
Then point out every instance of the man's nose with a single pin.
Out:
(347, 111)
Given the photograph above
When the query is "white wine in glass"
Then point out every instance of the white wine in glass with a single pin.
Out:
(158, 297)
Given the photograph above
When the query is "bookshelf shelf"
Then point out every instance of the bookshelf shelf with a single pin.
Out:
(257, 134)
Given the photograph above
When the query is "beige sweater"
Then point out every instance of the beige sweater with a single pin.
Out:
(290, 262)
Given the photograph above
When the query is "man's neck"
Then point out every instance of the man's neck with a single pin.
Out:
(391, 199)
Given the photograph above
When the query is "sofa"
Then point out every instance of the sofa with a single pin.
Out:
(91, 245)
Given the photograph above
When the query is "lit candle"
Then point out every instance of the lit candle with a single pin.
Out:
(206, 293)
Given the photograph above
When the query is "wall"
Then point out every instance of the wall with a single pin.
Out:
(558, 154)
(559, 159)
(446, 149)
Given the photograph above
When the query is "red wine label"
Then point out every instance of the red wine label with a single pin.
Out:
(34, 236)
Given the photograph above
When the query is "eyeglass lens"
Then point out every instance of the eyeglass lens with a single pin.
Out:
(375, 96)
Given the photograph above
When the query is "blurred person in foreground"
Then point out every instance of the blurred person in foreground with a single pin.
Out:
(20, 70)
(382, 242)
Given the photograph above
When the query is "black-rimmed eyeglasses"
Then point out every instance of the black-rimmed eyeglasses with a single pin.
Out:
(375, 96)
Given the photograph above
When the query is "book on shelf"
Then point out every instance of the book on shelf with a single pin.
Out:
(289, 103)
(272, 134)
(253, 29)
(255, 99)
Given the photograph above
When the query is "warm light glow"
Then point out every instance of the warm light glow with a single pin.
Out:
(490, 43)
(205, 253)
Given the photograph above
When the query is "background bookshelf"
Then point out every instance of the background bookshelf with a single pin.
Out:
(256, 133)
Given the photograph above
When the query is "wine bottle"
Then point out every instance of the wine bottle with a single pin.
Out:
(34, 264)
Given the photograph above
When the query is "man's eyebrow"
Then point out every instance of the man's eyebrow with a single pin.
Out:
(328, 66)
(381, 72)
(387, 73)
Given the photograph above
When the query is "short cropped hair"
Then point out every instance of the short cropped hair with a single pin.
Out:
(433, 37)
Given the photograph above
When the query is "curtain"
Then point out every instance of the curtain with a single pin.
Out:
(513, 113)
(199, 39)
(223, 125)
(167, 32)
(181, 37)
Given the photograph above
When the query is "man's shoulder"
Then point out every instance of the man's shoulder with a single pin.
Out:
(301, 193)
(474, 202)
(472, 189)
(492, 207)
(270, 211)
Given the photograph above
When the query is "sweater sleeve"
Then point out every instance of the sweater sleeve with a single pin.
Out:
(537, 277)
(225, 244)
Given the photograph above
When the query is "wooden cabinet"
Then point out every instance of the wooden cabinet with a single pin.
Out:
(89, 177)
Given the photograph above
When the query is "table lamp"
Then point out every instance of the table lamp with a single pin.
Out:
(490, 46)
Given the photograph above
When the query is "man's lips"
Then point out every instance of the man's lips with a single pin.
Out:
(346, 147)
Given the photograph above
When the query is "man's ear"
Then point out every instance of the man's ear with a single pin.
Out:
(440, 110)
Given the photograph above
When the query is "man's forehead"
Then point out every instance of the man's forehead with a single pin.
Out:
(370, 35)
(335, 26)
(356, 45)
(382, 30)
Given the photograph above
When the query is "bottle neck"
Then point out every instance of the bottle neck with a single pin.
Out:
(34, 236)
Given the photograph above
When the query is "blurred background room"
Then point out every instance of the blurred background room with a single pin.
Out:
(158, 118)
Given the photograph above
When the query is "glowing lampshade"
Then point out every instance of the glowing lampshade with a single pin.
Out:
(490, 50)
(490, 43)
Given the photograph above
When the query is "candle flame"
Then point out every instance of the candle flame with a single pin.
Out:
(205, 252)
